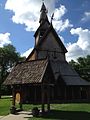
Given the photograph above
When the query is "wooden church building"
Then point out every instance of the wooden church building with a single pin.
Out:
(45, 76)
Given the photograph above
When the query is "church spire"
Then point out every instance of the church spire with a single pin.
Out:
(43, 16)
(43, 8)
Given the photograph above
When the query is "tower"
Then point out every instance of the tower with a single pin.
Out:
(47, 42)
(44, 24)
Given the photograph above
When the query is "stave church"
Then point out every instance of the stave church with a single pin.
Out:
(45, 76)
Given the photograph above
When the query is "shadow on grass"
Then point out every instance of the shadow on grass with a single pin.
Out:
(67, 115)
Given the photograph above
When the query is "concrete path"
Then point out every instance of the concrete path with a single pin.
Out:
(20, 116)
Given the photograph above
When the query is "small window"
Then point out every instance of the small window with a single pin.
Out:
(41, 33)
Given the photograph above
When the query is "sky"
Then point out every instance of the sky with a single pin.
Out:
(19, 20)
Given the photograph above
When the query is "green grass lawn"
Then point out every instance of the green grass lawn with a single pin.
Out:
(80, 111)
(5, 105)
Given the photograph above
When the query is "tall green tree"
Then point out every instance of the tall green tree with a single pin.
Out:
(82, 66)
(8, 57)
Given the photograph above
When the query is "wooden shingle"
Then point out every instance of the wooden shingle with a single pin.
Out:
(27, 72)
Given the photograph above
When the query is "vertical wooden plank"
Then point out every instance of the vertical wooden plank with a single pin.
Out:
(88, 90)
(80, 92)
(13, 96)
(86, 93)
(72, 90)
(65, 94)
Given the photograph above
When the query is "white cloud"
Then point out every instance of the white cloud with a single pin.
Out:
(4, 39)
(82, 47)
(59, 12)
(86, 17)
(60, 25)
(25, 54)
(27, 12)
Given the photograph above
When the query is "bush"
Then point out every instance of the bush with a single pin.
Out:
(35, 111)
(13, 110)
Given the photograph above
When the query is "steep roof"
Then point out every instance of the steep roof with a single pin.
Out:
(39, 28)
(67, 73)
(51, 29)
(34, 72)
(27, 72)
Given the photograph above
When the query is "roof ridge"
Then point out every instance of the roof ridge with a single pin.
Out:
(31, 60)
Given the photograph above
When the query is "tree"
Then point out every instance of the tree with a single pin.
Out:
(82, 66)
(8, 57)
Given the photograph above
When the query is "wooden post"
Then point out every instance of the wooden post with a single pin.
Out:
(48, 98)
(13, 96)
(35, 97)
(21, 97)
(43, 95)
(13, 108)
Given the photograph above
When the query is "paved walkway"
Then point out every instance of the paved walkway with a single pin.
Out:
(20, 116)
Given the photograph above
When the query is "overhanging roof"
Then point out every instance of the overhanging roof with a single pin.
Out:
(27, 72)
(68, 74)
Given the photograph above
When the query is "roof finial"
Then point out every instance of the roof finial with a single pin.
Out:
(52, 17)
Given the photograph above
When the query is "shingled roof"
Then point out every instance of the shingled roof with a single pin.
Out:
(51, 29)
(68, 74)
(27, 72)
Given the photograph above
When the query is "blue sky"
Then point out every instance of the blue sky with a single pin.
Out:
(19, 20)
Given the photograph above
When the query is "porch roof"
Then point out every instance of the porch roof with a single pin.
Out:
(27, 72)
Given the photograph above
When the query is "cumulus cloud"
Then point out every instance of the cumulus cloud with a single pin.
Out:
(59, 12)
(27, 12)
(26, 53)
(4, 39)
(86, 17)
(82, 47)
(60, 25)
